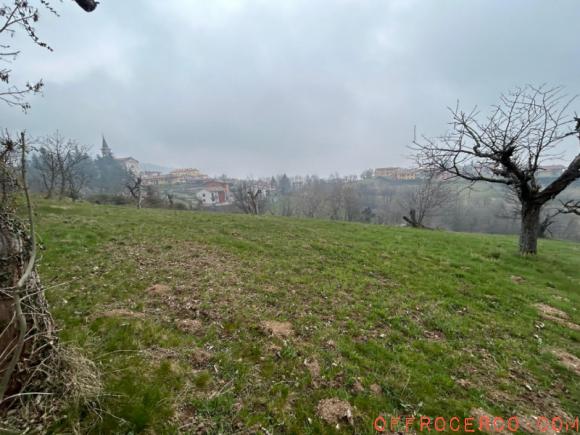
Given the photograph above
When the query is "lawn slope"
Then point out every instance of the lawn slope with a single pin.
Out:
(238, 323)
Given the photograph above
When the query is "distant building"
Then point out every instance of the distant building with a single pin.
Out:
(105, 149)
(214, 193)
(177, 176)
(150, 173)
(187, 172)
(130, 164)
(397, 173)
(297, 182)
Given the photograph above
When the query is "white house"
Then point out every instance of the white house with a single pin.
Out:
(206, 197)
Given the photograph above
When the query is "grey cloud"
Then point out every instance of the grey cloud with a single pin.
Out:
(262, 87)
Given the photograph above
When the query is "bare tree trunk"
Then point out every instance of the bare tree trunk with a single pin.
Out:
(530, 230)
(139, 198)
(27, 336)
(412, 219)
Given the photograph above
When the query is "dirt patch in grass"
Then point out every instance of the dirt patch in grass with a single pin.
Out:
(190, 326)
(376, 389)
(313, 367)
(277, 329)
(158, 354)
(201, 282)
(357, 387)
(519, 390)
(547, 310)
(555, 315)
(118, 312)
(335, 411)
(159, 290)
(188, 421)
(568, 360)
(200, 358)
(434, 335)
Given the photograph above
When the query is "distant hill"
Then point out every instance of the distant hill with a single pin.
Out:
(154, 167)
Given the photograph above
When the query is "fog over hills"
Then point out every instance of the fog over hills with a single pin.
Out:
(259, 88)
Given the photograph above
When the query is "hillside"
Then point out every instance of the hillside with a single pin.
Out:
(239, 323)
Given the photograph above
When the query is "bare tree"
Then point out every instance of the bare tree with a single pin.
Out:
(79, 174)
(249, 197)
(367, 174)
(570, 207)
(46, 165)
(352, 202)
(135, 186)
(312, 196)
(23, 14)
(427, 198)
(62, 163)
(17, 14)
(509, 147)
(510, 210)
(336, 196)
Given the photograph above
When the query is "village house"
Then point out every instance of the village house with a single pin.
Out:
(395, 173)
(214, 193)
(130, 164)
(150, 174)
(177, 176)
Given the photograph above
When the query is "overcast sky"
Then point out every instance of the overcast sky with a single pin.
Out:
(259, 87)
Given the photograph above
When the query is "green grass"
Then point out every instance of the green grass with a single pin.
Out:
(433, 318)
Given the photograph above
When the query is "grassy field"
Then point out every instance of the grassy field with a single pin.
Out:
(242, 324)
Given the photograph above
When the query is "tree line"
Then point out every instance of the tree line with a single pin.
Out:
(62, 168)
(507, 149)
(430, 201)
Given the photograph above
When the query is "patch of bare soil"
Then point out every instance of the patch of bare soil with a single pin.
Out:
(357, 387)
(568, 360)
(555, 315)
(191, 326)
(200, 358)
(464, 383)
(158, 354)
(189, 422)
(277, 329)
(516, 279)
(200, 281)
(275, 349)
(119, 312)
(376, 389)
(520, 391)
(335, 411)
(159, 290)
(434, 335)
(331, 344)
(313, 367)
(551, 311)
